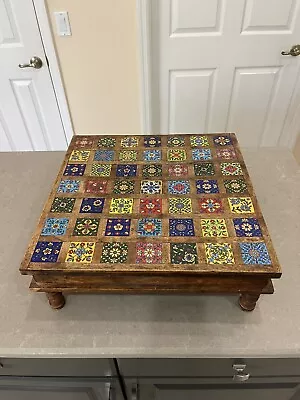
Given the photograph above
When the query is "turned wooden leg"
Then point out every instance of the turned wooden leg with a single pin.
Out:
(56, 300)
(248, 301)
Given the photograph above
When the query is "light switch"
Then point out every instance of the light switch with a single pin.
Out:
(62, 23)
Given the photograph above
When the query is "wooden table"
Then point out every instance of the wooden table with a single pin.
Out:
(152, 214)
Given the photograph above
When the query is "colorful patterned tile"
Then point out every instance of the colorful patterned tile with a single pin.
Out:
(62, 205)
(92, 205)
(126, 170)
(150, 206)
(235, 186)
(179, 205)
(199, 141)
(79, 155)
(178, 170)
(128, 155)
(107, 142)
(255, 253)
(214, 228)
(55, 227)
(179, 187)
(226, 154)
(68, 186)
(248, 227)
(74, 169)
(152, 171)
(184, 253)
(201, 154)
(117, 227)
(104, 155)
(83, 142)
(210, 205)
(175, 141)
(149, 227)
(124, 187)
(204, 169)
(152, 141)
(219, 253)
(152, 155)
(151, 187)
(86, 227)
(222, 140)
(100, 169)
(181, 227)
(46, 252)
(241, 205)
(130, 141)
(96, 186)
(114, 253)
(121, 206)
(148, 253)
(176, 155)
(207, 186)
(80, 252)
(231, 169)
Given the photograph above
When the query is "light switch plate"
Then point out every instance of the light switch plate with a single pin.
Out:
(62, 23)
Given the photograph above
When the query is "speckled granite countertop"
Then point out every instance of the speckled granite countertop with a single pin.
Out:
(147, 326)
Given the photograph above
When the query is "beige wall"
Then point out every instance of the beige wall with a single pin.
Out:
(296, 149)
(99, 64)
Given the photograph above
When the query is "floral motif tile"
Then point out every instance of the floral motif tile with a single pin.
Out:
(149, 227)
(80, 252)
(148, 253)
(62, 205)
(226, 154)
(179, 187)
(104, 155)
(214, 227)
(80, 155)
(210, 205)
(121, 206)
(152, 171)
(199, 141)
(219, 253)
(150, 206)
(222, 140)
(231, 169)
(178, 170)
(96, 186)
(207, 186)
(74, 169)
(130, 141)
(181, 227)
(86, 227)
(92, 205)
(107, 142)
(151, 187)
(117, 227)
(241, 205)
(204, 169)
(124, 187)
(128, 155)
(55, 227)
(235, 186)
(152, 155)
(152, 141)
(179, 205)
(248, 227)
(101, 169)
(126, 170)
(83, 142)
(176, 155)
(68, 186)
(184, 253)
(255, 253)
(175, 141)
(201, 154)
(113, 253)
(46, 252)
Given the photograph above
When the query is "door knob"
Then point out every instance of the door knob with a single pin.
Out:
(294, 51)
(34, 62)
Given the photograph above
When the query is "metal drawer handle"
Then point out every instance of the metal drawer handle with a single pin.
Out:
(1, 365)
(239, 374)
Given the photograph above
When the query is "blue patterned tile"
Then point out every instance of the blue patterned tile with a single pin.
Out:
(222, 140)
(55, 227)
(255, 253)
(149, 227)
(207, 186)
(126, 170)
(152, 155)
(181, 227)
(201, 154)
(179, 187)
(117, 227)
(46, 252)
(92, 205)
(104, 155)
(247, 227)
(152, 141)
(74, 169)
(151, 187)
(68, 186)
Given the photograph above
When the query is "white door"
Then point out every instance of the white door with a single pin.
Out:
(217, 66)
(29, 114)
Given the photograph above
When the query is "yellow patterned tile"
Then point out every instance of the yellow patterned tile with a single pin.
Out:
(219, 253)
(79, 155)
(241, 205)
(121, 206)
(80, 252)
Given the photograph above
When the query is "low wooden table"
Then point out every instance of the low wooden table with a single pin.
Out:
(152, 214)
